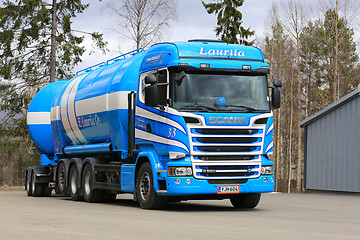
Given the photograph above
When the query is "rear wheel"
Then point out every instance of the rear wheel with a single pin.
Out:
(145, 191)
(46, 190)
(90, 194)
(75, 191)
(36, 188)
(60, 187)
(28, 182)
(249, 200)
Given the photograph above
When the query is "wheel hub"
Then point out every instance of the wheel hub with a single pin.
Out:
(87, 183)
(73, 182)
(145, 186)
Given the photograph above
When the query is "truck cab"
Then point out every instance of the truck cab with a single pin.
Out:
(204, 109)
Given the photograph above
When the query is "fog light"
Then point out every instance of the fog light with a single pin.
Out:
(272, 179)
(177, 181)
(265, 179)
(188, 181)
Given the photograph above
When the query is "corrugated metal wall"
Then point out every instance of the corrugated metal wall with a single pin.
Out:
(332, 151)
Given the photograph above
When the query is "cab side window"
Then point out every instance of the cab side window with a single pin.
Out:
(161, 77)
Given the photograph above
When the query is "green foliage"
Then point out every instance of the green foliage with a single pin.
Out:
(229, 22)
(25, 33)
(329, 69)
(17, 152)
(330, 50)
(25, 44)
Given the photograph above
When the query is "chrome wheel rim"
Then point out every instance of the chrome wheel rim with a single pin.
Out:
(27, 182)
(73, 182)
(33, 183)
(62, 177)
(87, 183)
(145, 186)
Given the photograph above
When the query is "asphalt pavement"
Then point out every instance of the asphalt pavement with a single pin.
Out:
(278, 216)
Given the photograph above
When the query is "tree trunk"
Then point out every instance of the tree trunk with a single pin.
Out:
(53, 44)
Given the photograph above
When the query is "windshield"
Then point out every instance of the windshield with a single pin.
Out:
(221, 93)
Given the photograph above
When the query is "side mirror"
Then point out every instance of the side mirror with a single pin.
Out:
(151, 95)
(179, 77)
(275, 95)
(277, 83)
(150, 78)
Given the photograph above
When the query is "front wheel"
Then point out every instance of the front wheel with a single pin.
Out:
(249, 200)
(145, 191)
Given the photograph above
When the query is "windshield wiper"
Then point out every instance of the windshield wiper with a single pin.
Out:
(250, 109)
(196, 106)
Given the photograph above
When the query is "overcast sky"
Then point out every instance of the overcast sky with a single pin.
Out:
(193, 22)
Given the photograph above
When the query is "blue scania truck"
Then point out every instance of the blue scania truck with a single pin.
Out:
(180, 121)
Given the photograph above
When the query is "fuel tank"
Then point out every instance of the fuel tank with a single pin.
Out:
(38, 117)
(91, 108)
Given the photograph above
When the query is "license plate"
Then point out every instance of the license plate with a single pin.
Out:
(223, 189)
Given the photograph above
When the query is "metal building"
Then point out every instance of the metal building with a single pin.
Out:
(332, 146)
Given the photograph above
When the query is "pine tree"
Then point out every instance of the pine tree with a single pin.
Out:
(25, 46)
(336, 61)
(229, 21)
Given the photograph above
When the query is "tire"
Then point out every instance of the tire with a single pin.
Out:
(28, 183)
(60, 187)
(36, 188)
(90, 194)
(146, 195)
(249, 200)
(75, 191)
(46, 190)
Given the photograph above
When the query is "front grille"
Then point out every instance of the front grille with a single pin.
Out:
(226, 131)
(241, 170)
(227, 153)
(226, 149)
(227, 181)
(225, 140)
(226, 158)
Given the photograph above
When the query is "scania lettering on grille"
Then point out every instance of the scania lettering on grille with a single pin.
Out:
(228, 120)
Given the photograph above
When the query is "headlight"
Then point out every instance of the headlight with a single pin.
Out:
(179, 171)
(267, 170)
(176, 155)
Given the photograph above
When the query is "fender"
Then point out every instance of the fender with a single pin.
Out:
(93, 161)
(42, 174)
(67, 167)
(153, 159)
